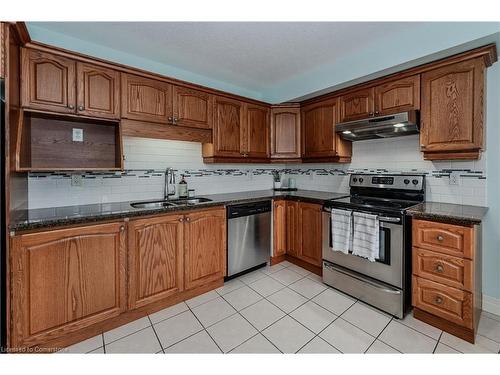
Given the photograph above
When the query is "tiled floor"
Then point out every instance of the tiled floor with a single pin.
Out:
(286, 309)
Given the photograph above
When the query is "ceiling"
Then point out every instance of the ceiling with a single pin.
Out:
(255, 59)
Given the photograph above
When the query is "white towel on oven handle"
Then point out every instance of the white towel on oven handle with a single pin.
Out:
(366, 236)
(341, 230)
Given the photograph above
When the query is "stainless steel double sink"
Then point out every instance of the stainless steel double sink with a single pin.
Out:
(170, 203)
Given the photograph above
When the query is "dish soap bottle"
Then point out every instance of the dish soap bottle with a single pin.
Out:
(183, 188)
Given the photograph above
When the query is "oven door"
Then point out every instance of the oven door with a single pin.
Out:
(389, 268)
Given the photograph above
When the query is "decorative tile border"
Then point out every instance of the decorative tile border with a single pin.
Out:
(148, 173)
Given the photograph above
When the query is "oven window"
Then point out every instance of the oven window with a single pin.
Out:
(385, 246)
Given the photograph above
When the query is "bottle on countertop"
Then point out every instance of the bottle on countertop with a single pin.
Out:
(183, 188)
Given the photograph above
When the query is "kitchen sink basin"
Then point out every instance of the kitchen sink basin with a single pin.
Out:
(190, 201)
(159, 204)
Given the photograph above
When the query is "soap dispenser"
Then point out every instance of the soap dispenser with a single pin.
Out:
(183, 188)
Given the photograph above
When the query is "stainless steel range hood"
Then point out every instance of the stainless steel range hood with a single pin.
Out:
(396, 125)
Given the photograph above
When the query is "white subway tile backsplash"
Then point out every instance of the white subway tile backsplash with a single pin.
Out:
(145, 160)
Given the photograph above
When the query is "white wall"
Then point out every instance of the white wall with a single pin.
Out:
(145, 160)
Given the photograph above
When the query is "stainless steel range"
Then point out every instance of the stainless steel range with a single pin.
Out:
(385, 282)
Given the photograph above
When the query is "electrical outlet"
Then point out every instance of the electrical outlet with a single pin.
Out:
(454, 178)
(77, 135)
(76, 180)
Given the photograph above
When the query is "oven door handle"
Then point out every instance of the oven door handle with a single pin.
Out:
(386, 219)
(364, 280)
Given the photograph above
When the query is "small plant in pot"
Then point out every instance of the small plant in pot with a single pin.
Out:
(276, 179)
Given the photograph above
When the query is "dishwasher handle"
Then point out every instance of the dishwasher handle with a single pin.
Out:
(248, 209)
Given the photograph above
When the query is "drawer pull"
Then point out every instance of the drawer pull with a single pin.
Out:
(440, 238)
(438, 300)
(439, 268)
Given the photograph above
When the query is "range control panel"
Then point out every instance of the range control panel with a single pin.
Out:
(402, 181)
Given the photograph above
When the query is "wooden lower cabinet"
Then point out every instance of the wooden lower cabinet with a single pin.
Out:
(446, 282)
(66, 280)
(205, 247)
(155, 261)
(297, 232)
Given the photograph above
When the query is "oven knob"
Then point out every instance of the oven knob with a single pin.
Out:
(360, 180)
(406, 181)
(415, 182)
(354, 179)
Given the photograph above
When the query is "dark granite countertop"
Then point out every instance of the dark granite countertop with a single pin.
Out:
(59, 216)
(448, 213)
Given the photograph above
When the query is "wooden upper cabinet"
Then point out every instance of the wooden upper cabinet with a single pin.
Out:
(398, 96)
(98, 91)
(452, 114)
(309, 222)
(146, 99)
(156, 251)
(279, 225)
(205, 247)
(48, 82)
(65, 280)
(228, 127)
(255, 142)
(357, 104)
(318, 129)
(285, 133)
(192, 108)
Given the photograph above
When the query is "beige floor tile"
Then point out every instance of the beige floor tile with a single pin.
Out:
(84, 346)
(168, 312)
(213, 311)
(489, 328)
(482, 344)
(420, 326)
(406, 339)
(318, 346)
(242, 297)
(199, 343)
(251, 277)
(266, 286)
(445, 349)
(288, 335)
(313, 316)
(202, 298)
(299, 270)
(367, 318)
(262, 314)
(346, 337)
(144, 341)
(177, 328)
(286, 277)
(287, 300)
(271, 269)
(334, 301)
(229, 286)
(231, 332)
(126, 329)
(307, 287)
(378, 347)
(256, 345)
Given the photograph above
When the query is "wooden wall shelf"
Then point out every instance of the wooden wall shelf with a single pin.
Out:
(44, 142)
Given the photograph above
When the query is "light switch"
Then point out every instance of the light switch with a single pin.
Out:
(77, 135)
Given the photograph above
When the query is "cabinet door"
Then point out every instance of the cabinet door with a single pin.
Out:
(156, 247)
(285, 133)
(98, 91)
(48, 81)
(452, 107)
(192, 108)
(292, 232)
(398, 96)
(318, 129)
(146, 99)
(205, 247)
(279, 223)
(65, 280)
(357, 105)
(309, 223)
(228, 127)
(256, 132)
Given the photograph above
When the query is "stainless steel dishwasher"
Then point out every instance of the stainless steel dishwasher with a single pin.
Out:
(248, 236)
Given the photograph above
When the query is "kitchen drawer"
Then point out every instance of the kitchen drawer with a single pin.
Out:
(444, 238)
(445, 269)
(443, 301)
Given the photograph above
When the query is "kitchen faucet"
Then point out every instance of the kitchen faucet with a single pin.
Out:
(169, 183)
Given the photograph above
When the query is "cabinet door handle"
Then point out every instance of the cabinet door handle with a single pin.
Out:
(71, 106)
(188, 219)
(122, 228)
(175, 120)
(181, 219)
(439, 268)
(438, 300)
(170, 120)
(377, 112)
(81, 107)
(371, 113)
(440, 238)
